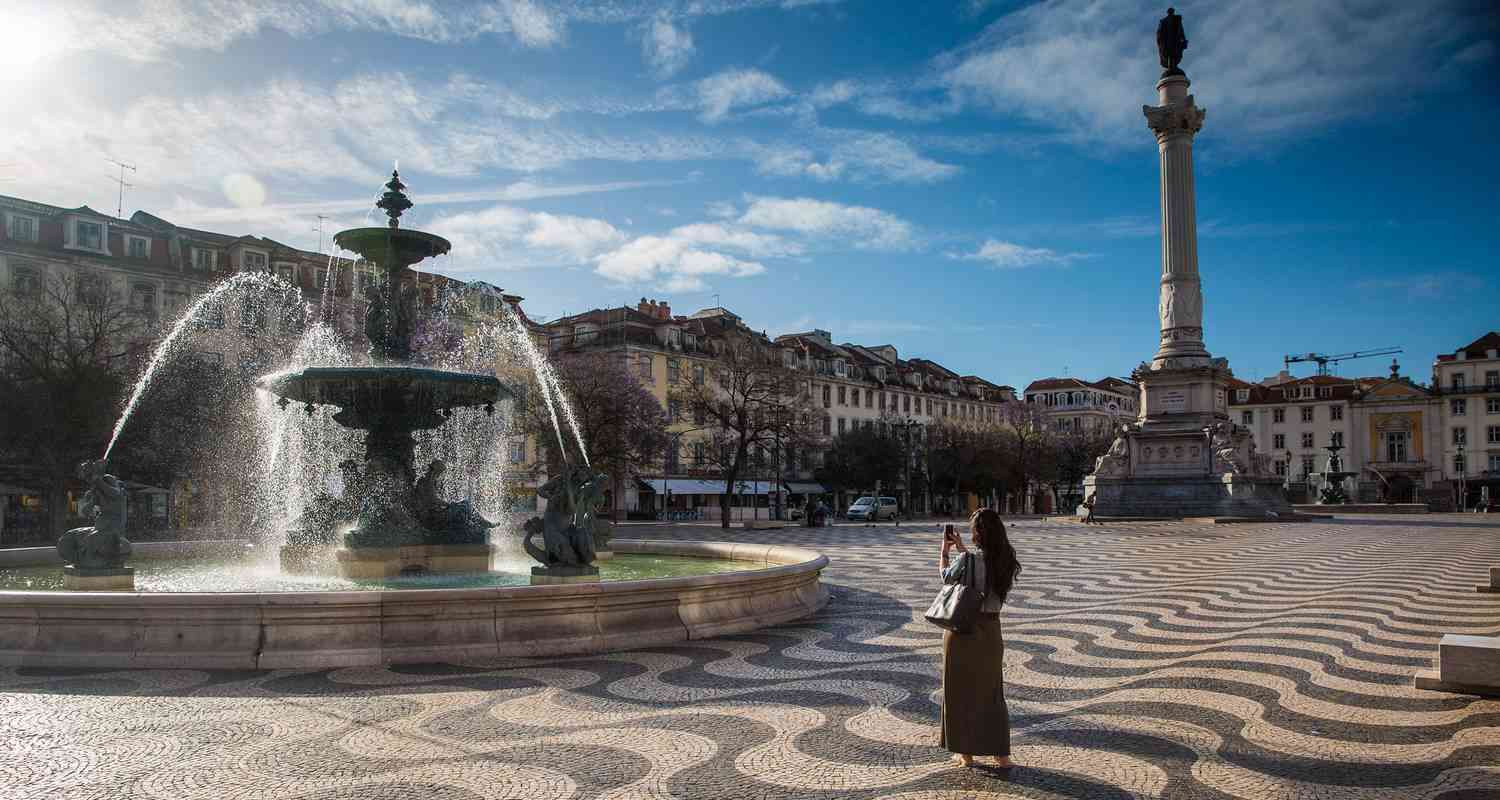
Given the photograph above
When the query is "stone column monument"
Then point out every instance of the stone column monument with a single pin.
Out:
(1182, 457)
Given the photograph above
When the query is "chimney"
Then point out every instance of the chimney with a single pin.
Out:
(666, 310)
(642, 307)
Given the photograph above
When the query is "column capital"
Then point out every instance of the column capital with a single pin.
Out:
(1174, 118)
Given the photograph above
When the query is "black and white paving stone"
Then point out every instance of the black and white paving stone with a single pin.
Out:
(1157, 659)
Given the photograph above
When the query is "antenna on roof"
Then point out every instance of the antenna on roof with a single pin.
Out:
(120, 200)
(716, 300)
(319, 229)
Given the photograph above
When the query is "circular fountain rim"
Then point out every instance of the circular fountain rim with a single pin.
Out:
(317, 630)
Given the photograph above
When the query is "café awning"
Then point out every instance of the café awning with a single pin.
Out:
(697, 486)
(805, 487)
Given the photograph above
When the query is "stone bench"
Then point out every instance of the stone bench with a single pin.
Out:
(1466, 665)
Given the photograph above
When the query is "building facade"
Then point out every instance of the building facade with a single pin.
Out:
(1071, 404)
(157, 270)
(1467, 381)
(856, 386)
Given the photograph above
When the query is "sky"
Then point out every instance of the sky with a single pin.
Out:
(972, 182)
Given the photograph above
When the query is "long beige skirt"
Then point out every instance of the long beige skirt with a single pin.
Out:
(975, 718)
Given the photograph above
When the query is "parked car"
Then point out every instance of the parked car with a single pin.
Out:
(867, 510)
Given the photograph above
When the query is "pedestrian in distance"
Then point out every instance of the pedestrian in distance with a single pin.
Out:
(1088, 511)
(975, 718)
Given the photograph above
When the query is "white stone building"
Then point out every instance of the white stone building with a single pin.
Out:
(1468, 383)
(1075, 404)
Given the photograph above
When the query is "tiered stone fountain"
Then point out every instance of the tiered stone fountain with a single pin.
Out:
(395, 523)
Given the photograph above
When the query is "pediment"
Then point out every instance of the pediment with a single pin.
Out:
(1394, 390)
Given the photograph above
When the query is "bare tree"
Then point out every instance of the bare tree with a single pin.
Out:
(622, 424)
(65, 343)
(1026, 429)
(1072, 456)
(750, 407)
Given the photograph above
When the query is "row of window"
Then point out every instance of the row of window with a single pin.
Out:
(1459, 406)
(1335, 439)
(1084, 399)
(1461, 465)
(1278, 415)
(1303, 392)
(1491, 435)
(1459, 381)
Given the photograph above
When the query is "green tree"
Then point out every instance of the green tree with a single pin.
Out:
(860, 459)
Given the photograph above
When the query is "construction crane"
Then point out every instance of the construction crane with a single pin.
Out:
(1324, 360)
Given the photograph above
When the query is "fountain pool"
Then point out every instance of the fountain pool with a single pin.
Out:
(300, 591)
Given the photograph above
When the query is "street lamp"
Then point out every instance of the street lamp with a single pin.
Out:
(1463, 479)
(906, 463)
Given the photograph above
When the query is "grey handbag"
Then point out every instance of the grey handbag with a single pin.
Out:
(956, 607)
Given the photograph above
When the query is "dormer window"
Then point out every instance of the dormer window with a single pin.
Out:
(252, 261)
(1242, 395)
(288, 273)
(86, 235)
(840, 369)
(1325, 391)
(690, 340)
(880, 374)
(1304, 392)
(20, 227)
(674, 337)
(788, 358)
(205, 259)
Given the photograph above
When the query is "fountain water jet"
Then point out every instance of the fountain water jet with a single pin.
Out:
(401, 523)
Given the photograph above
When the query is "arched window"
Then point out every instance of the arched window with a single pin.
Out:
(26, 280)
(143, 298)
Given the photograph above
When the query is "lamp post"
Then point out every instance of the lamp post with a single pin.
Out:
(906, 463)
(1463, 479)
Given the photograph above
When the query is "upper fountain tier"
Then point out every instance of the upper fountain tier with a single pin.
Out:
(392, 248)
(392, 398)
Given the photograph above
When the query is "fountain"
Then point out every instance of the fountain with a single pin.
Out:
(397, 524)
(352, 557)
(1334, 477)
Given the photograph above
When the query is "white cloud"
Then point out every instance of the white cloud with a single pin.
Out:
(858, 226)
(579, 237)
(1086, 67)
(1009, 255)
(736, 88)
(667, 47)
(856, 155)
(1427, 285)
(149, 30)
(672, 262)
(506, 237)
(301, 134)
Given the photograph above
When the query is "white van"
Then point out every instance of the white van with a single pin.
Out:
(866, 509)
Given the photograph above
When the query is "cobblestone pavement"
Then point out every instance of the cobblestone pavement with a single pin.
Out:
(1145, 660)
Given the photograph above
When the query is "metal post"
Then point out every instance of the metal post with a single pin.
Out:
(1463, 480)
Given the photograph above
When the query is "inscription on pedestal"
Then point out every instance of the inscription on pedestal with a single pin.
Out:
(1174, 401)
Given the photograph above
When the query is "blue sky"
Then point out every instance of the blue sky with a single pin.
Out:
(971, 182)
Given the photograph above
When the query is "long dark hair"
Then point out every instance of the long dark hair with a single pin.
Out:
(1000, 560)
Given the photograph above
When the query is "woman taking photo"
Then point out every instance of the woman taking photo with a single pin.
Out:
(976, 721)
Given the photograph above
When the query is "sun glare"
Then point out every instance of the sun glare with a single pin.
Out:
(27, 38)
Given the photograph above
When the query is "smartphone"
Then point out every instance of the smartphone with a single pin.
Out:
(948, 532)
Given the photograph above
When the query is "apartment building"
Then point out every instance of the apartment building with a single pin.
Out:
(1073, 404)
(1467, 381)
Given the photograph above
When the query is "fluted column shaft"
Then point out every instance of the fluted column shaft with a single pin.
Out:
(1175, 122)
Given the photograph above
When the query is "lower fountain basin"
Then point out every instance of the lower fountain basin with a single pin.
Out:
(408, 619)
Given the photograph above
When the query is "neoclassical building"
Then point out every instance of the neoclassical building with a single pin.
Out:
(1075, 404)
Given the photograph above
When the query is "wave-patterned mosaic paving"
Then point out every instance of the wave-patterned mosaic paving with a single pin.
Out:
(1148, 660)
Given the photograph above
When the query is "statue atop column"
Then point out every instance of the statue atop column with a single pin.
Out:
(1171, 40)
